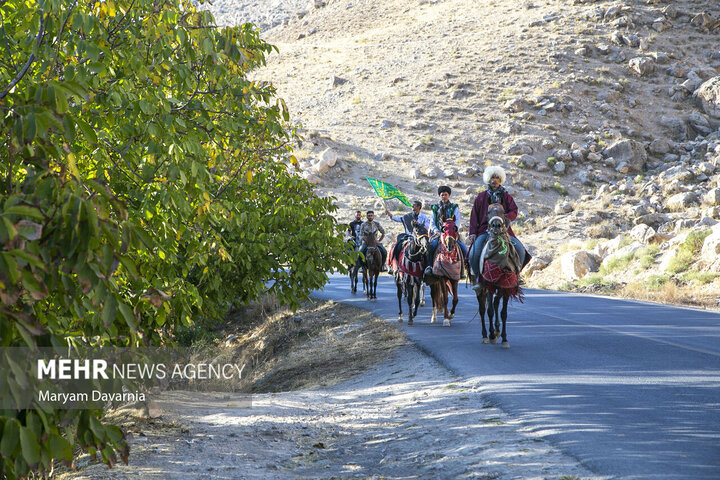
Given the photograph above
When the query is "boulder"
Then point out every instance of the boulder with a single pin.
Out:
(643, 233)
(660, 146)
(710, 252)
(675, 126)
(535, 265)
(575, 265)
(630, 152)
(708, 97)
(642, 66)
(681, 201)
(562, 208)
(712, 197)
(699, 123)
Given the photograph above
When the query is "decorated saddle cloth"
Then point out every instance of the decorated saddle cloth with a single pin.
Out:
(448, 263)
(500, 251)
(409, 267)
(500, 266)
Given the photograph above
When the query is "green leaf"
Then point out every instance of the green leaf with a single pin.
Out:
(25, 211)
(109, 311)
(10, 437)
(30, 446)
(59, 447)
(87, 131)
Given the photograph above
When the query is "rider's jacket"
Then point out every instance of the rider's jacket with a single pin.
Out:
(354, 228)
(368, 228)
(441, 212)
(408, 218)
(478, 216)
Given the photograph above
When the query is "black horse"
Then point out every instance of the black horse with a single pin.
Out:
(408, 277)
(499, 277)
(354, 269)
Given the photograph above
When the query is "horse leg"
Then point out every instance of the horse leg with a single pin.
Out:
(375, 280)
(503, 313)
(415, 289)
(434, 297)
(493, 317)
(399, 283)
(445, 291)
(482, 305)
(454, 286)
(365, 280)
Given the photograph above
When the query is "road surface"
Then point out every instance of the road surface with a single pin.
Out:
(631, 389)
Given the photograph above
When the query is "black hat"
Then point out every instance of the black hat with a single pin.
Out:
(444, 188)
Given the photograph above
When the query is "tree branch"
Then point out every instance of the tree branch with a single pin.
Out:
(29, 62)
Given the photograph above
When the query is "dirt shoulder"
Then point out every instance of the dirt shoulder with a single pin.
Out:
(404, 416)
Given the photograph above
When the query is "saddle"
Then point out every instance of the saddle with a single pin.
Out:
(448, 261)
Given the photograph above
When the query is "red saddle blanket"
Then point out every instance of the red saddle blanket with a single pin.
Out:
(411, 268)
(497, 278)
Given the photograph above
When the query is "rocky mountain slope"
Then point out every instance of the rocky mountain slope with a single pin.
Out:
(605, 115)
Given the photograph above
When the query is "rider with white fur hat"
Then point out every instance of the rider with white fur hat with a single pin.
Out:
(494, 177)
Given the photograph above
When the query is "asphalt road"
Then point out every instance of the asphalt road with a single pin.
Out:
(630, 389)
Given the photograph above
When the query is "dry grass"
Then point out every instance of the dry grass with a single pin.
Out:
(321, 344)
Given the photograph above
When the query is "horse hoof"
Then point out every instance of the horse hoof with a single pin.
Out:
(410, 322)
(400, 319)
(493, 341)
(485, 340)
(422, 304)
(446, 323)
(451, 316)
(505, 344)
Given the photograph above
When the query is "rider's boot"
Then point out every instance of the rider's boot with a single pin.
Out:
(528, 257)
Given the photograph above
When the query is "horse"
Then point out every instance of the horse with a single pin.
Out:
(409, 272)
(447, 268)
(498, 276)
(355, 267)
(373, 266)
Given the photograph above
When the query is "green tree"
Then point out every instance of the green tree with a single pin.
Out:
(144, 184)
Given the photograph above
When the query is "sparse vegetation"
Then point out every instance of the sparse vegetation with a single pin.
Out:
(687, 252)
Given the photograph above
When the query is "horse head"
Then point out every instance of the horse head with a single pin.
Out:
(497, 225)
(420, 237)
(449, 236)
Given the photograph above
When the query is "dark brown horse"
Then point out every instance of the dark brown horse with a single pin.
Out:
(408, 277)
(447, 269)
(373, 266)
(354, 269)
(498, 276)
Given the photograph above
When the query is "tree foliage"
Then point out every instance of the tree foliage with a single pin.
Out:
(143, 185)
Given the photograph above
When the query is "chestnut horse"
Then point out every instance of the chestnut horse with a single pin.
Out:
(498, 276)
(408, 277)
(447, 269)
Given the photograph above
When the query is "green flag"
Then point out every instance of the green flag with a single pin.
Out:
(385, 190)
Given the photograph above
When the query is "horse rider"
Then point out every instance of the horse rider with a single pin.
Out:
(442, 211)
(408, 220)
(371, 227)
(494, 177)
(354, 227)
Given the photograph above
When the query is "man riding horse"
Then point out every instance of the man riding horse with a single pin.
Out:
(409, 220)
(442, 211)
(494, 177)
(371, 227)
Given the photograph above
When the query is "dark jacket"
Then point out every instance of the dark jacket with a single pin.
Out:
(478, 216)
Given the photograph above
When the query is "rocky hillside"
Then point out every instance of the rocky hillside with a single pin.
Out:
(605, 114)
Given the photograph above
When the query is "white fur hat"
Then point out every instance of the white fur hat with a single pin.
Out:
(492, 172)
